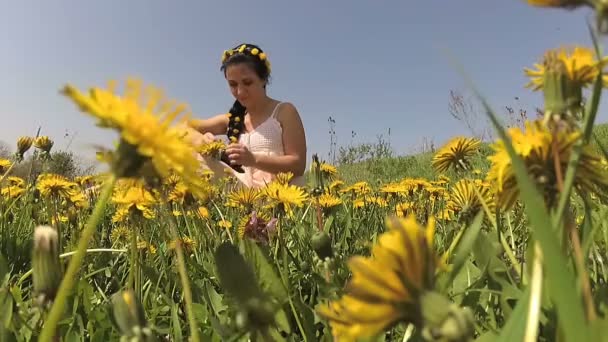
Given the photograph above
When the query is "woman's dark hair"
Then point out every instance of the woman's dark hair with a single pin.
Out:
(256, 58)
(249, 54)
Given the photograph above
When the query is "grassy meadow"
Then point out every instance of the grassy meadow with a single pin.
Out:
(475, 240)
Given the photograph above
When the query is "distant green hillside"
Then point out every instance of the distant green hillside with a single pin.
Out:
(419, 165)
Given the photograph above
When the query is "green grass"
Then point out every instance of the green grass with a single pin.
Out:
(382, 170)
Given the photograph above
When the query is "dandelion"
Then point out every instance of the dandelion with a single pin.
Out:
(393, 285)
(225, 224)
(44, 143)
(534, 146)
(212, 149)
(580, 67)
(285, 196)
(12, 192)
(465, 202)
(143, 121)
(23, 145)
(243, 197)
(283, 177)
(120, 235)
(359, 188)
(5, 165)
(203, 212)
(328, 201)
(188, 244)
(455, 154)
(54, 186)
(135, 200)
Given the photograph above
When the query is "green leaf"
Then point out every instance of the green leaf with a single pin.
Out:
(3, 269)
(214, 299)
(515, 327)
(264, 270)
(464, 247)
(176, 325)
(236, 276)
(559, 278)
(6, 308)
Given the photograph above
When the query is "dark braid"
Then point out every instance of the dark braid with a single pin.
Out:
(256, 57)
(236, 124)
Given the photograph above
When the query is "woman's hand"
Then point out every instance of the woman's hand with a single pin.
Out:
(239, 154)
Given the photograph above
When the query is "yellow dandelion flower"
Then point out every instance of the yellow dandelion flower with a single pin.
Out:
(143, 121)
(359, 203)
(580, 63)
(404, 209)
(85, 181)
(188, 244)
(5, 164)
(416, 184)
(328, 201)
(285, 196)
(53, 185)
(378, 201)
(120, 235)
(203, 212)
(16, 181)
(12, 192)
(225, 224)
(387, 287)
(394, 188)
(23, 145)
(336, 185)
(135, 200)
(284, 177)
(43, 143)
(212, 148)
(456, 154)
(243, 197)
(359, 188)
(464, 201)
(534, 146)
(145, 246)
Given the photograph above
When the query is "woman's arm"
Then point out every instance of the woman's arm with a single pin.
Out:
(216, 125)
(294, 144)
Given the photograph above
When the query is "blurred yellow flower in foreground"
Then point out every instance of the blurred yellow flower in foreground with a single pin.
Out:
(386, 288)
(535, 147)
(580, 64)
(143, 117)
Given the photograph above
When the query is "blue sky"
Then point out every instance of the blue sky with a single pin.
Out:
(370, 65)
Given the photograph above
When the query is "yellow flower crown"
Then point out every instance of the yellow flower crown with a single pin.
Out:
(248, 49)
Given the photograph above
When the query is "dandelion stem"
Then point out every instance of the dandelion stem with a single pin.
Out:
(535, 295)
(7, 172)
(181, 266)
(49, 328)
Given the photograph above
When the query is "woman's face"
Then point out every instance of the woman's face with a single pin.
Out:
(245, 85)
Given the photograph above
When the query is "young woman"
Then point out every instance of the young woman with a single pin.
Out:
(266, 135)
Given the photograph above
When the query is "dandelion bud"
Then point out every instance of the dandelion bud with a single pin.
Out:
(128, 161)
(23, 145)
(321, 244)
(129, 316)
(43, 143)
(47, 272)
(444, 320)
(256, 312)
